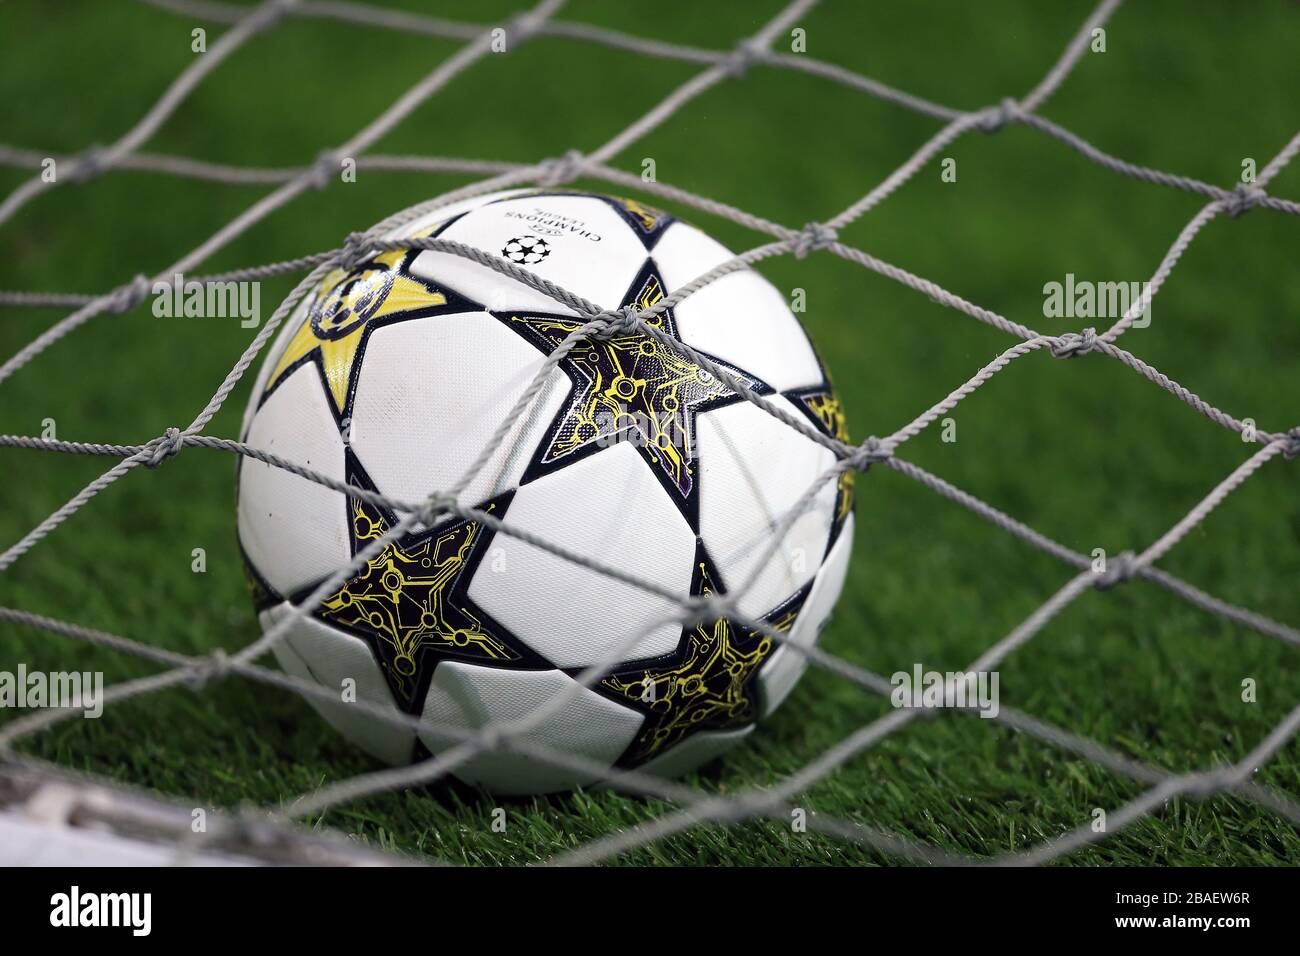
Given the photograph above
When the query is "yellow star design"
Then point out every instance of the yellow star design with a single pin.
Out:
(412, 598)
(649, 217)
(345, 304)
(828, 412)
(706, 684)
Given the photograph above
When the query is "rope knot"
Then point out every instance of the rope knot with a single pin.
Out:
(88, 165)
(1292, 448)
(126, 297)
(561, 169)
(867, 454)
(1074, 344)
(705, 609)
(523, 27)
(618, 323)
(745, 55)
(1118, 570)
(1244, 197)
(356, 250)
(996, 117)
(325, 168)
(1207, 783)
(435, 506)
(165, 447)
(276, 10)
(493, 738)
(814, 236)
(215, 666)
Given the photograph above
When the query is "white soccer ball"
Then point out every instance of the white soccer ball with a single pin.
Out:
(396, 375)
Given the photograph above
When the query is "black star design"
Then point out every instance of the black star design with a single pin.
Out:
(630, 388)
(825, 410)
(707, 683)
(410, 602)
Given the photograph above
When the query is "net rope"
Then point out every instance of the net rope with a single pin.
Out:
(694, 806)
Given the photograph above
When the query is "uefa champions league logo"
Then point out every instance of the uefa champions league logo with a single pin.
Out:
(526, 250)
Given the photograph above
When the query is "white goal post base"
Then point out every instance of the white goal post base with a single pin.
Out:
(50, 817)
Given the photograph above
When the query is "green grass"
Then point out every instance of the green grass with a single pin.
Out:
(1085, 451)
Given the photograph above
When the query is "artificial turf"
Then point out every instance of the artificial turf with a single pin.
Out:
(1085, 451)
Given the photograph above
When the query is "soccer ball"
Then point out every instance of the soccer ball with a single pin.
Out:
(394, 377)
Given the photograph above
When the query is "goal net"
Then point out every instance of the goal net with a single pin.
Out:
(49, 814)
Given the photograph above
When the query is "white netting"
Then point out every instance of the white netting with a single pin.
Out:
(694, 806)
